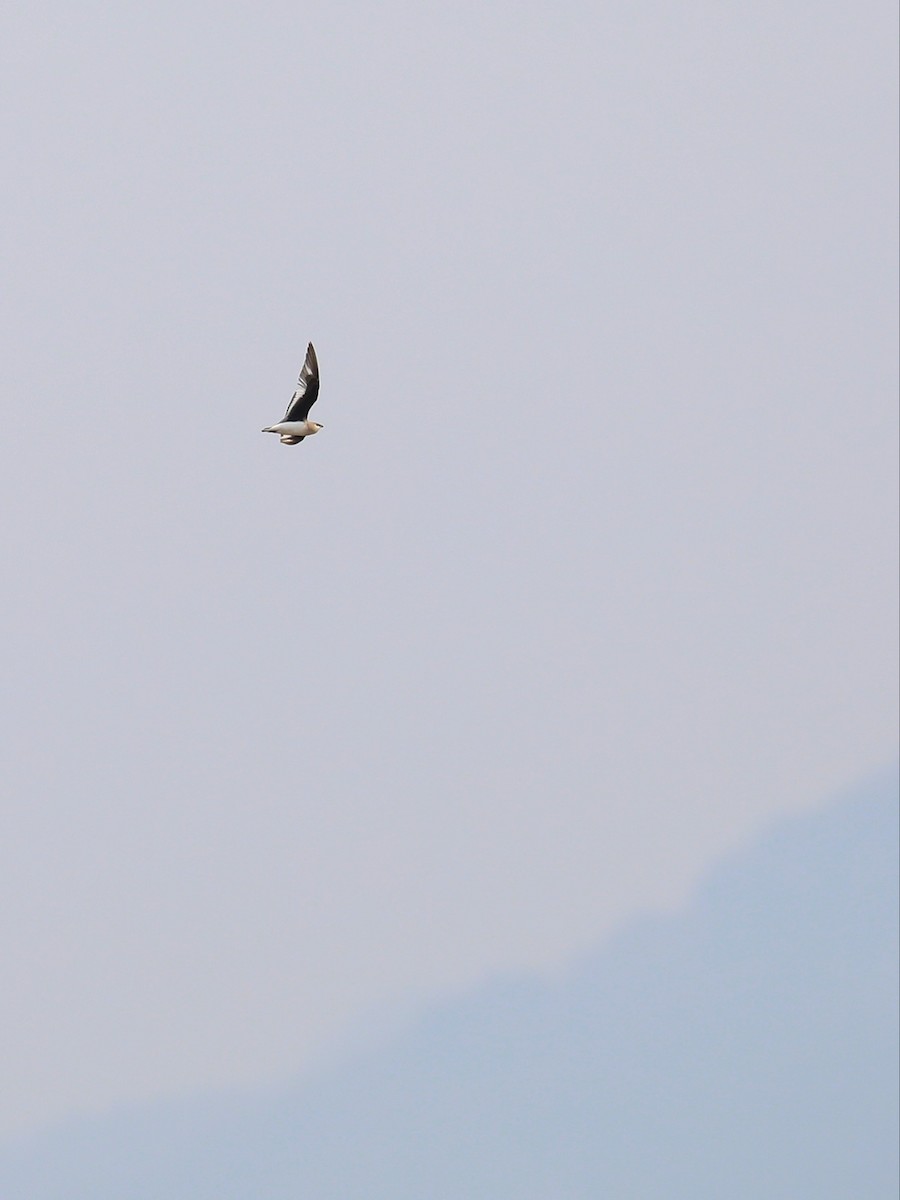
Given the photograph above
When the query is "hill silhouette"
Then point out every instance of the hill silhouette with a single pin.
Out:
(744, 1047)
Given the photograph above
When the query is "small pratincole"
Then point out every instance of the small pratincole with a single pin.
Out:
(295, 425)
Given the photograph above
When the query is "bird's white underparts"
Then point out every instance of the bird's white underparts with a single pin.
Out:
(292, 432)
(295, 425)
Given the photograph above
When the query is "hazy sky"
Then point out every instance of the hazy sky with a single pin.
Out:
(591, 571)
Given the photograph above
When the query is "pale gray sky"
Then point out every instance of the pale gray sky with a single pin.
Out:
(590, 573)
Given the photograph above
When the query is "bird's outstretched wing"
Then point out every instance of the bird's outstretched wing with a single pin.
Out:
(307, 389)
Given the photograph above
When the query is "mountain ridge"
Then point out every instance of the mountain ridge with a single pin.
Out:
(744, 1045)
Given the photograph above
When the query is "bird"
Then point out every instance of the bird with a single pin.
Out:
(295, 424)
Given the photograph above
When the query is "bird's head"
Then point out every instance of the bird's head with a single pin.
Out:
(316, 426)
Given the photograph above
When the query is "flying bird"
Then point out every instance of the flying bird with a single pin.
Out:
(295, 424)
